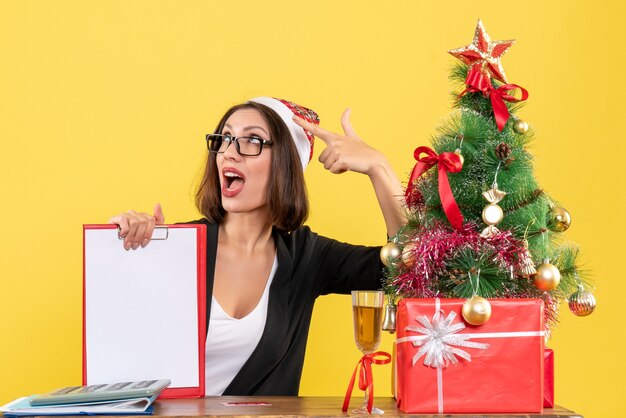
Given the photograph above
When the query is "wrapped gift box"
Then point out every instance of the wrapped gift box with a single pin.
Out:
(548, 382)
(445, 365)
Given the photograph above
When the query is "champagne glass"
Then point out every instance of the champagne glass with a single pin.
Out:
(367, 310)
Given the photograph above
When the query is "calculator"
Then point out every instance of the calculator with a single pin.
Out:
(101, 392)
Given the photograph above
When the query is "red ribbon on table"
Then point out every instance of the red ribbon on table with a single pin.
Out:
(447, 162)
(478, 81)
(366, 380)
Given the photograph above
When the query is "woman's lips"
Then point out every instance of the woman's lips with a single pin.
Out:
(233, 182)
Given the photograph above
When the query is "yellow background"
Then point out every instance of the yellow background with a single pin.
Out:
(104, 105)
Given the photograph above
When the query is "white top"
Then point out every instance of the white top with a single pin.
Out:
(231, 341)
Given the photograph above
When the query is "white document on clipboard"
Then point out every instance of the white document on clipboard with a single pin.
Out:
(144, 311)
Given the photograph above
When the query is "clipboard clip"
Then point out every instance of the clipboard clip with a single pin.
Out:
(160, 233)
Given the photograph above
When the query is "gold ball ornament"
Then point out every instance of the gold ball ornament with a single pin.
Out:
(559, 219)
(492, 214)
(520, 126)
(547, 277)
(458, 152)
(408, 255)
(582, 303)
(476, 310)
(389, 252)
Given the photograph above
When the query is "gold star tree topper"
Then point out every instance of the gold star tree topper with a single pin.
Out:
(483, 54)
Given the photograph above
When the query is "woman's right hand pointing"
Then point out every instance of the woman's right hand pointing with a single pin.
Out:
(347, 152)
(136, 228)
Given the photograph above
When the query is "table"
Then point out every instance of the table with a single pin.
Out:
(307, 407)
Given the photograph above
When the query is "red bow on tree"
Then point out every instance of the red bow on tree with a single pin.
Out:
(478, 81)
(366, 379)
(447, 162)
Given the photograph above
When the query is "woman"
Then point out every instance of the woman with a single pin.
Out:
(264, 269)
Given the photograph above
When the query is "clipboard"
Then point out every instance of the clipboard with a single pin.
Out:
(144, 311)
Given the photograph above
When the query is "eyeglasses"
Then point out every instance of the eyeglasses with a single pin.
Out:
(249, 146)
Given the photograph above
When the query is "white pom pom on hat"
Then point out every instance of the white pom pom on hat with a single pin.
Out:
(302, 138)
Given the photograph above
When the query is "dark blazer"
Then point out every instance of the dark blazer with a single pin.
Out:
(309, 265)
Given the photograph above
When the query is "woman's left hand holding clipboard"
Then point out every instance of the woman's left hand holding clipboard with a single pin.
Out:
(136, 228)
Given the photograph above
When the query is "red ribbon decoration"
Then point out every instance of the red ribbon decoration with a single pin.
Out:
(478, 81)
(366, 380)
(447, 162)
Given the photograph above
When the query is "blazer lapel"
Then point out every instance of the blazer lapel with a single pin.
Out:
(212, 231)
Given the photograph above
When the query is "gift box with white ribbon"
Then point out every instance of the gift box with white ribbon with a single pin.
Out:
(445, 365)
(548, 381)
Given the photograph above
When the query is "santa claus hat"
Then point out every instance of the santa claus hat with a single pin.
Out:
(301, 137)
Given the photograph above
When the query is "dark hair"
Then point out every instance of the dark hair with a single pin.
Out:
(287, 200)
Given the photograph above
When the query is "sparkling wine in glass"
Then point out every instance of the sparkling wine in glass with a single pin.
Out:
(367, 310)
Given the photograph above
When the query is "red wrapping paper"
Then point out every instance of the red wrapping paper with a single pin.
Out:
(548, 381)
(505, 377)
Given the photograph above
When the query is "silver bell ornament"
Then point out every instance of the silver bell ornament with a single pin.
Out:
(389, 322)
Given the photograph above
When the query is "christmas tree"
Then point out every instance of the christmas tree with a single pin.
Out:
(479, 225)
